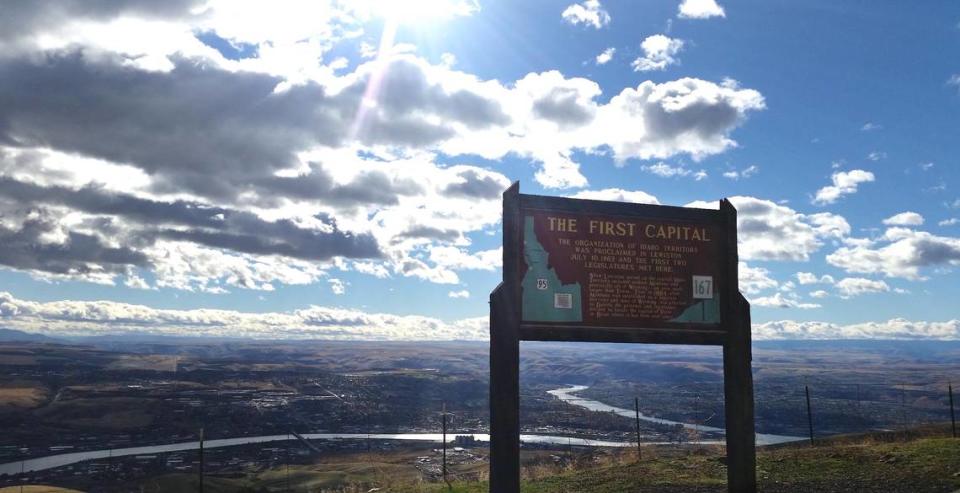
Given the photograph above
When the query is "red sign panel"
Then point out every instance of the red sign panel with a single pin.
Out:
(581, 268)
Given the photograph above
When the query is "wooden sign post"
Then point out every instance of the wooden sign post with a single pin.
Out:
(593, 271)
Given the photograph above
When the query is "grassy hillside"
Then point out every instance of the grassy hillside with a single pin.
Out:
(864, 464)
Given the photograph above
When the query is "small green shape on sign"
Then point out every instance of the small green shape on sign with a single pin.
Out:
(703, 312)
(544, 297)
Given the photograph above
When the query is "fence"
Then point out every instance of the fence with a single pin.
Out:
(814, 408)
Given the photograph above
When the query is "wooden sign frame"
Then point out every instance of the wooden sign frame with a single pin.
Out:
(507, 330)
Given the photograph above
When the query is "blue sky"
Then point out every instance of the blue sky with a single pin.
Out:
(315, 169)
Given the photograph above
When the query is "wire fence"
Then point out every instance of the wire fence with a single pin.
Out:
(829, 408)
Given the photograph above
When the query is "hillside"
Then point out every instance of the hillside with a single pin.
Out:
(848, 464)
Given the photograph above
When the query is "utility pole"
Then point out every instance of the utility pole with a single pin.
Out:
(443, 421)
(953, 417)
(696, 420)
(201, 460)
(636, 406)
(809, 413)
(286, 462)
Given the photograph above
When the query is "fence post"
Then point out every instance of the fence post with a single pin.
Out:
(636, 405)
(806, 388)
(953, 417)
(444, 420)
(201, 461)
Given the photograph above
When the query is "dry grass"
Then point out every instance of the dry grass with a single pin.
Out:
(18, 359)
(23, 397)
(153, 362)
(37, 488)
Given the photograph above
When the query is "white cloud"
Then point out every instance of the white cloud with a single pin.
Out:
(780, 300)
(136, 282)
(86, 318)
(877, 155)
(844, 183)
(67, 318)
(658, 53)
(770, 231)
(309, 174)
(666, 170)
(855, 286)
(870, 126)
(700, 9)
(753, 280)
(618, 195)
(908, 218)
(949, 222)
(897, 328)
(819, 294)
(806, 278)
(588, 12)
(459, 294)
(904, 254)
(448, 60)
(338, 286)
(605, 56)
(191, 267)
(954, 80)
(744, 173)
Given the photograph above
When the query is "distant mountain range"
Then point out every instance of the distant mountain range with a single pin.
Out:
(915, 349)
(11, 335)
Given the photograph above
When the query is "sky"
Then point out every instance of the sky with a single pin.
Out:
(323, 169)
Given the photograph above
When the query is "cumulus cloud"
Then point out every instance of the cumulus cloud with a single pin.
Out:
(40, 243)
(122, 156)
(781, 300)
(770, 231)
(953, 221)
(338, 286)
(954, 80)
(658, 53)
(855, 286)
(617, 195)
(908, 218)
(666, 170)
(256, 251)
(23, 19)
(588, 12)
(81, 318)
(900, 252)
(896, 328)
(689, 114)
(844, 183)
(605, 56)
(753, 280)
(805, 278)
(742, 173)
(85, 318)
(700, 9)
(463, 293)
(239, 121)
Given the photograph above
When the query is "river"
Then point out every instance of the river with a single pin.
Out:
(567, 395)
(564, 394)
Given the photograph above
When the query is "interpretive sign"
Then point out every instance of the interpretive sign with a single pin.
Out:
(595, 271)
(618, 270)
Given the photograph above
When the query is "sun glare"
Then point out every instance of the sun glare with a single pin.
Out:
(415, 12)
